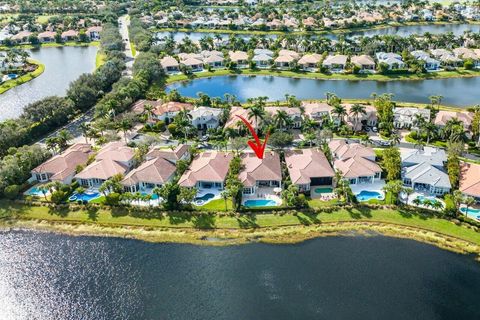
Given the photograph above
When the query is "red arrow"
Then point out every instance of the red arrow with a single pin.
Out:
(256, 146)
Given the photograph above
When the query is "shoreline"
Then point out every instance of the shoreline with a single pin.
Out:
(52, 45)
(10, 84)
(338, 31)
(282, 235)
(325, 77)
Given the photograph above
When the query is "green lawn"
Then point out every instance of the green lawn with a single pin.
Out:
(100, 59)
(121, 217)
(7, 85)
(53, 44)
(215, 205)
(461, 73)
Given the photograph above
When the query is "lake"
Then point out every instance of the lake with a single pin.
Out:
(48, 276)
(404, 31)
(456, 91)
(62, 66)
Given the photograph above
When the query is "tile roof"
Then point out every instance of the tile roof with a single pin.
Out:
(255, 169)
(207, 166)
(156, 171)
(305, 164)
(357, 166)
(470, 179)
(343, 150)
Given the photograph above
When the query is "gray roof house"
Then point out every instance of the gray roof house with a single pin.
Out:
(404, 118)
(430, 64)
(424, 171)
(205, 117)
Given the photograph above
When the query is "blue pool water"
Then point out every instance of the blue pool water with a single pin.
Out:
(84, 196)
(34, 191)
(205, 197)
(431, 199)
(366, 195)
(260, 203)
(471, 212)
(154, 196)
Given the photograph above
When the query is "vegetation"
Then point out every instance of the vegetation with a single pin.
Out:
(7, 85)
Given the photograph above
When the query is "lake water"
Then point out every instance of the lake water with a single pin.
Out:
(456, 91)
(62, 66)
(404, 31)
(48, 276)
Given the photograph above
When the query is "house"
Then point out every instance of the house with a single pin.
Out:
(444, 116)
(94, 32)
(170, 64)
(214, 61)
(239, 57)
(468, 54)
(21, 37)
(204, 118)
(423, 170)
(405, 118)
(446, 57)
(429, 63)
(469, 180)
(309, 62)
(356, 122)
(150, 174)
(355, 162)
(257, 174)
(317, 111)
(167, 111)
(285, 52)
(262, 60)
(294, 114)
(208, 170)
(364, 62)
(309, 168)
(193, 64)
(392, 60)
(113, 159)
(62, 167)
(284, 61)
(69, 35)
(234, 120)
(336, 63)
(263, 51)
(47, 36)
(181, 152)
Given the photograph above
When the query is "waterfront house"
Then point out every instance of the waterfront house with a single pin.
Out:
(336, 63)
(240, 58)
(284, 61)
(263, 51)
(294, 114)
(469, 180)
(405, 118)
(62, 167)
(444, 116)
(214, 61)
(364, 62)
(260, 175)
(150, 174)
(262, 60)
(194, 64)
(69, 35)
(467, 54)
(113, 159)
(317, 111)
(235, 122)
(423, 170)
(446, 57)
(170, 64)
(167, 111)
(392, 60)
(94, 32)
(285, 52)
(204, 118)
(21, 37)
(309, 62)
(208, 170)
(356, 122)
(429, 63)
(309, 168)
(356, 162)
(47, 36)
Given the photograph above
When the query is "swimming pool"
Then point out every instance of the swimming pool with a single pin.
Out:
(431, 199)
(471, 212)
(259, 203)
(154, 196)
(366, 195)
(200, 201)
(86, 196)
(323, 190)
(35, 191)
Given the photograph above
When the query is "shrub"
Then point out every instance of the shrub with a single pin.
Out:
(11, 192)
(58, 196)
(112, 199)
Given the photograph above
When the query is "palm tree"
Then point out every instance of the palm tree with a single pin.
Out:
(256, 112)
(51, 143)
(85, 127)
(417, 202)
(225, 195)
(148, 110)
(429, 129)
(340, 112)
(395, 138)
(125, 125)
(63, 138)
(282, 119)
(44, 190)
(356, 110)
(468, 201)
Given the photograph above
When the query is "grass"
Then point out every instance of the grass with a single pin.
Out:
(460, 73)
(53, 44)
(134, 50)
(7, 85)
(100, 59)
(121, 217)
(43, 18)
(215, 206)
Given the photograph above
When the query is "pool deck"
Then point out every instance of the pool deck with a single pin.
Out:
(201, 192)
(471, 215)
(416, 194)
(263, 193)
(377, 186)
(322, 196)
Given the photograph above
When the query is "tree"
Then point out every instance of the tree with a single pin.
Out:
(186, 195)
(63, 137)
(169, 192)
(394, 187)
(291, 196)
(392, 163)
(238, 144)
(340, 111)
(468, 201)
(458, 199)
(257, 110)
(356, 110)
(225, 195)
(282, 119)
(125, 125)
(384, 105)
(280, 139)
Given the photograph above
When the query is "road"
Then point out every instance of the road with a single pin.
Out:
(123, 23)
